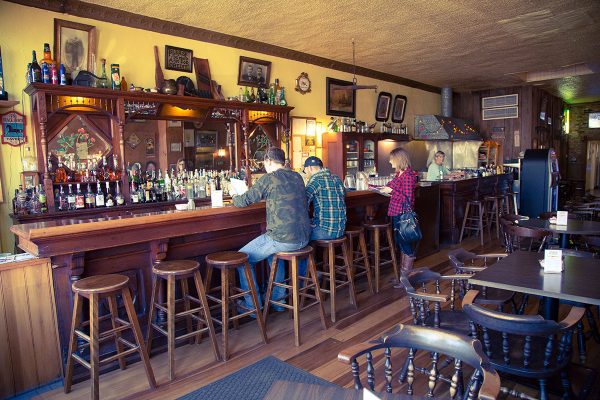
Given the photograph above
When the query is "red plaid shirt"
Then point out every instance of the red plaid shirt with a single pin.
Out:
(403, 192)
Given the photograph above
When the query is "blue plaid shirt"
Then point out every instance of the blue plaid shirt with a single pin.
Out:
(327, 194)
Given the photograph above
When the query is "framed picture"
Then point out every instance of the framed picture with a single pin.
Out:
(384, 100)
(150, 147)
(206, 141)
(341, 98)
(253, 72)
(399, 108)
(29, 179)
(74, 45)
(178, 59)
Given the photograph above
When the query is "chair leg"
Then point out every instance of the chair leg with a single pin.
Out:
(480, 222)
(267, 300)
(376, 246)
(171, 325)
(581, 342)
(137, 333)
(592, 322)
(259, 318)
(225, 312)
(462, 229)
(153, 300)
(204, 302)
(363, 248)
(75, 322)
(186, 306)
(391, 245)
(332, 284)
(313, 273)
(350, 275)
(114, 313)
(295, 300)
(94, 346)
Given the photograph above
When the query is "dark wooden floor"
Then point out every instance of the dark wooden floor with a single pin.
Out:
(196, 366)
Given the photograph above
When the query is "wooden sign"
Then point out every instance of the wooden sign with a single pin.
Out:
(13, 128)
(178, 59)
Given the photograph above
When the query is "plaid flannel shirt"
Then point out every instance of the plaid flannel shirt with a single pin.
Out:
(403, 192)
(327, 194)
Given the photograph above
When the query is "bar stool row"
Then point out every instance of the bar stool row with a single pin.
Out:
(485, 213)
(351, 250)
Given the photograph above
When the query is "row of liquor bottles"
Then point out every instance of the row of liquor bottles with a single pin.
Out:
(274, 94)
(96, 169)
(148, 188)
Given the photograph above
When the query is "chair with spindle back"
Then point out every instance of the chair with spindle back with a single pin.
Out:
(527, 346)
(483, 383)
(523, 238)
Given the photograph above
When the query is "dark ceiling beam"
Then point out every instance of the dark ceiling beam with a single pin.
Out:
(119, 17)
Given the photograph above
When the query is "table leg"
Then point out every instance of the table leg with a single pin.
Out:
(564, 241)
(550, 308)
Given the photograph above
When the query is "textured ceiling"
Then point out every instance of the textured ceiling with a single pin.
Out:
(469, 44)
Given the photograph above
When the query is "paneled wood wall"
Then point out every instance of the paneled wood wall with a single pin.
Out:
(29, 352)
(533, 132)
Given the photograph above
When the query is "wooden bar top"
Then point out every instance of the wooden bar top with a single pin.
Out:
(56, 237)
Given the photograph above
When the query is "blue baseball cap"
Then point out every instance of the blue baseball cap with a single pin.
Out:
(313, 161)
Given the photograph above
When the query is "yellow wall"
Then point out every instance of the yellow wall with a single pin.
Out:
(23, 29)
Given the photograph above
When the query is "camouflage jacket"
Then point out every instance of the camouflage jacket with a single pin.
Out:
(287, 210)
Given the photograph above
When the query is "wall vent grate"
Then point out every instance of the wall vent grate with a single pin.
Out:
(500, 113)
(500, 101)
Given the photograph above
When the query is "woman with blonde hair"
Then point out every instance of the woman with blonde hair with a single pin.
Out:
(401, 207)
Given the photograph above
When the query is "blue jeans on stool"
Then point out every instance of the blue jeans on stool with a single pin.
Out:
(316, 234)
(263, 247)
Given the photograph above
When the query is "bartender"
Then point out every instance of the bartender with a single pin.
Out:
(437, 170)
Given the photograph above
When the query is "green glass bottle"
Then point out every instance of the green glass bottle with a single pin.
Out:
(282, 100)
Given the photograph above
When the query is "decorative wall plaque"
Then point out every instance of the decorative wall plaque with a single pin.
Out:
(133, 140)
(13, 129)
(178, 59)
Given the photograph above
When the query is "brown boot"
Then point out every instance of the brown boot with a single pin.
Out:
(407, 263)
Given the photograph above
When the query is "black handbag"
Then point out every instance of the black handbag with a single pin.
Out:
(406, 227)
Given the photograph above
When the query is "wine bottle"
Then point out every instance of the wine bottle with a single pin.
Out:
(63, 203)
(90, 198)
(79, 198)
(71, 198)
(99, 196)
(119, 199)
(35, 71)
(103, 78)
(109, 197)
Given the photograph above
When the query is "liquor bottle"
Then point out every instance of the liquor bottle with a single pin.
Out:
(246, 94)
(161, 187)
(168, 187)
(45, 73)
(277, 90)
(103, 78)
(282, 101)
(123, 84)
(135, 197)
(71, 198)
(115, 74)
(79, 198)
(42, 199)
(241, 95)
(20, 202)
(3, 94)
(35, 72)
(54, 75)
(119, 199)
(63, 75)
(272, 92)
(116, 173)
(47, 55)
(252, 98)
(110, 202)
(34, 202)
(90, 198)
(63, 203)
(99, 196)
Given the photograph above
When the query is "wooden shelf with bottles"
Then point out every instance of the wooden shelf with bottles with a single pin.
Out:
(8, 103)
(108, 111)
(489, 153)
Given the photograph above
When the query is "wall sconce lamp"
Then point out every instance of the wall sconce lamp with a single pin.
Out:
(221, 152)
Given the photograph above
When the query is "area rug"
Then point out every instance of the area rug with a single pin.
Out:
(254, 381)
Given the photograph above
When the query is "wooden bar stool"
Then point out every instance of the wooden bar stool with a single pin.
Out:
(492, 206)
(375, 228)
(331, 270)
(171, 271)
(510, 201)
(294, 290)
(94, 289)
(359, 257)
(227, 262)
(473, 222)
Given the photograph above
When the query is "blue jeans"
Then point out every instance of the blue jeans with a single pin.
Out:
(316, 234)
(263, 247)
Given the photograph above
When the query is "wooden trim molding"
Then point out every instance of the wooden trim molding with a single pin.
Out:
(124, 18)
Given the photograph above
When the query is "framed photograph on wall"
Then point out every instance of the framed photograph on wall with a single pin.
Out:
(178, 59)
(384, 100)
(253, 72)
(399, 108)
(74, 45)
(341, 98)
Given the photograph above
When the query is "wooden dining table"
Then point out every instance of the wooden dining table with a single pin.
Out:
(521, 272)
(573, 227)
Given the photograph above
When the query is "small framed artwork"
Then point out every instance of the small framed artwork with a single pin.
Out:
(206, 141)
(341, 98)
(29, 179)
(399, 108)
(150, 148)
(253, 72)
(74, 45)
(176, 147)
(178, 59)
(384, 101)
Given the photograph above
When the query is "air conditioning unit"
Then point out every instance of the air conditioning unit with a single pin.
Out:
(500, 101)
(500, 113)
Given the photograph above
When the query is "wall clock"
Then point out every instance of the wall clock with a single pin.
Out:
(303, 83)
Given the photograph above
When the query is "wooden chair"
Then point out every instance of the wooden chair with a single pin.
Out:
(466, 262)
(527, 346)
(483, 383)
(523, 238)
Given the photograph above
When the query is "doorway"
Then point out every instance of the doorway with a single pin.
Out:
(592, 173)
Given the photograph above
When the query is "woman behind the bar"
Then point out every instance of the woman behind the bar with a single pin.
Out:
(402, 201)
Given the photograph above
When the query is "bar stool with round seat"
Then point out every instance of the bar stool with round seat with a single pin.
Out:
(96, 288)
(171, 271)
(359, 256)
(510, 203)
(227, 262)
(294, 290)
(331, 270)
(492, 206)
(375, 229)
(473, 219)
